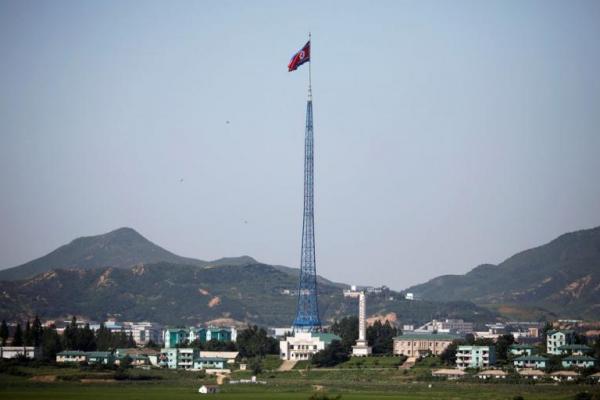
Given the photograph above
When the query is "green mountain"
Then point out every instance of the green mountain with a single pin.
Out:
(121, 274)
(121, 248)
(561, 278)
(185, 294)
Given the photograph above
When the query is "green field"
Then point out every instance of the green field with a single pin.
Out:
(351, 383)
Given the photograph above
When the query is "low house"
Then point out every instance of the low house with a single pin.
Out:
(557, 339)
(71, 356)
(230, 356)
(519, 349)
(575, 349)
(537, 362)
(100, 357)
(475, 357)
(533, 374)
(492, 374)
(210, 363)
(208, 389)
(302, 345)
(564, 376)
(139, 356)
(595, 377)
(422, 344)
(448, 373)
(578, 362)
(28, 352)
(140, 360)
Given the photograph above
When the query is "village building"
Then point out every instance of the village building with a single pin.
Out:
(557, 339)
(302, 345)
(448, 373)
(210, 363)
(29, 352)
(71, 356)
(518, 349)
(422, 344)
(575, 349)
(535, 362)
(475, 357)
(229, 356)
(492, 374)
(564, 376)
(533, 374)
(100, 357)
(208, 389)
(578, 362)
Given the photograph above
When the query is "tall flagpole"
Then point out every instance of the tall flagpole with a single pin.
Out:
(309, 70)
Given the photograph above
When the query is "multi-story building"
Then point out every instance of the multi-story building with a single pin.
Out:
(177, 336)
(174, 336)
(175, 358)
(475, 357)
(213, 333)
(302, 345)
(557, 339)
(421, 344)
(144, 332)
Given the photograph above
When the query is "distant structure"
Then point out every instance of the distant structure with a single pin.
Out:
(307, 313)
(361, 348)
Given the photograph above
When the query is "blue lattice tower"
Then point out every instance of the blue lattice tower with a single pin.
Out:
(307, 314)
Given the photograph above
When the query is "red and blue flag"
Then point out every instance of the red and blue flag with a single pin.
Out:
(300, 58)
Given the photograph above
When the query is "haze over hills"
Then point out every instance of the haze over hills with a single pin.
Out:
(562, 276)
(121, 248)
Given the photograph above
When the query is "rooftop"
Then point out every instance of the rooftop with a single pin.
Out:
(326, 337)
(532, 357)
(428, 336)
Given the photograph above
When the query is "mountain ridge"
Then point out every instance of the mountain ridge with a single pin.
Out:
(120, 248)
(562, 276)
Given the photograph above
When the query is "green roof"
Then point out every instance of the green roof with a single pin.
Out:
(428, 336)
(99, 354)
(531, 358)
(575, 347)
(579, 358)
(521, 346)
(71, 353)
(326, 337)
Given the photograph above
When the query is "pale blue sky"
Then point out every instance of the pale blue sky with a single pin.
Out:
(448, 133)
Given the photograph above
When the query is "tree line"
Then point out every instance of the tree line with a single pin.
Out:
(73, 338)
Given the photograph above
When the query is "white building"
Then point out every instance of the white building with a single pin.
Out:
(303, 345)
(29, 352)
(144, 332)
(447, 326)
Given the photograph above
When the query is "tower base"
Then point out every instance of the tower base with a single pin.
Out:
(361, 349)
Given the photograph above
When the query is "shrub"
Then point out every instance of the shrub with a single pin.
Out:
(583, 396)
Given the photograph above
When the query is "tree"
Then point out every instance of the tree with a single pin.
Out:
(37, 331)
(4, 332)
(334, 354)
(448, 356)
(502, 346)
(252, 342)
(347, 329)
(255, 365)
(18, 336)
(50, 343)
(28, 336)
(381, 337)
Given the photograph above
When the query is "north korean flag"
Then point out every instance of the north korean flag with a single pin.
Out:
(300, 58)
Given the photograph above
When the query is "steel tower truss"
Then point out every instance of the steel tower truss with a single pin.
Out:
(307, 314)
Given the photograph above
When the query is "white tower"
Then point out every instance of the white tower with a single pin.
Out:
(361, 348)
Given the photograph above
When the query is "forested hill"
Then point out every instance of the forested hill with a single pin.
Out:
(561, 277)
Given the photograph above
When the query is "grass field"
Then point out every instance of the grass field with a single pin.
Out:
(358, 383)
